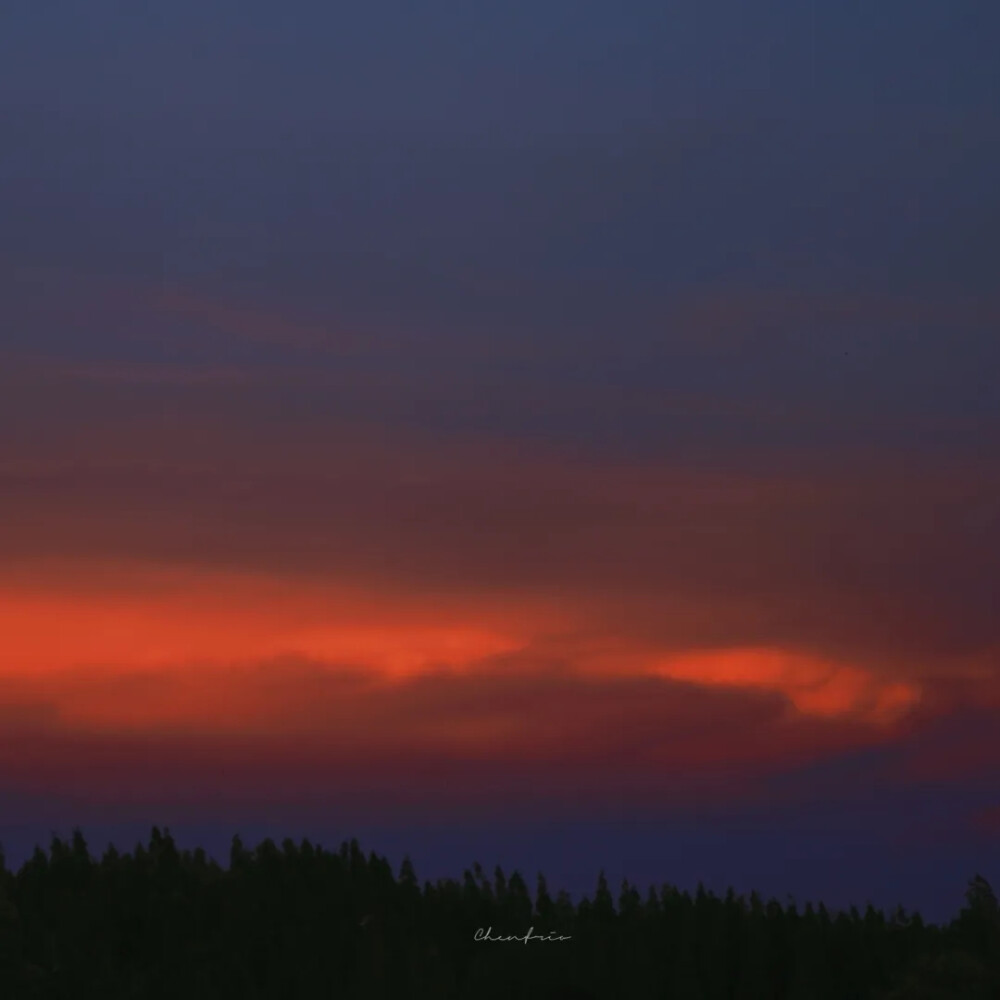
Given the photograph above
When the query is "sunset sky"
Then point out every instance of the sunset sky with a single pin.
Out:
(561, 434)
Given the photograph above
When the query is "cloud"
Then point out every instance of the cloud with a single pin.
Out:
(19, 716)
(286, 731)
(207, 678)
(208, 552)
(809, 374)
(812, 685)
(147, 373)
(148, 622)
(888, 562)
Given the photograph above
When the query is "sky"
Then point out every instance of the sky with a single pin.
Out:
(557, 434)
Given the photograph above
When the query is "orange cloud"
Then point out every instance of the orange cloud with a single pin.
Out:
(815, 686)
(145, 646)
(148, 617)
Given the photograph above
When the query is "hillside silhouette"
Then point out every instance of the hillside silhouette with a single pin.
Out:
(298, 921)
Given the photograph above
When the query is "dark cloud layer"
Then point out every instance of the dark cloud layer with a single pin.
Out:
(873, 556)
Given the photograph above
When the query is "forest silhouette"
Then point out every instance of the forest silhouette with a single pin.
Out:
(303, 922)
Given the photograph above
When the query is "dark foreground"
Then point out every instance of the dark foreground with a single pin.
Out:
(303, 922)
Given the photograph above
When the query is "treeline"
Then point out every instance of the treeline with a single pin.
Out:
(303, 923)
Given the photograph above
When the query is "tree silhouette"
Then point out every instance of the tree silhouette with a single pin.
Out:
(301, 921)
